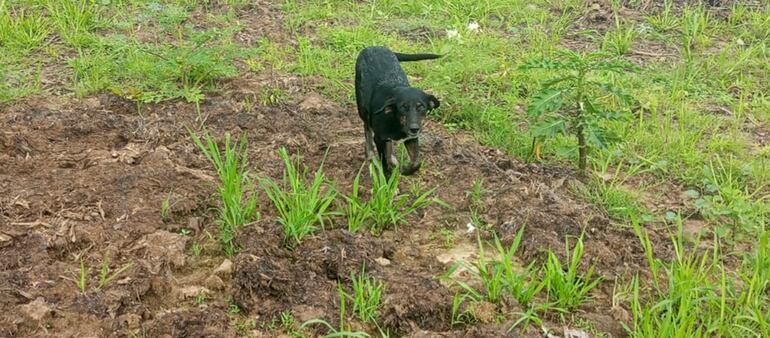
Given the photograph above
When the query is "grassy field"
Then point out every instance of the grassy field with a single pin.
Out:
(665, 103)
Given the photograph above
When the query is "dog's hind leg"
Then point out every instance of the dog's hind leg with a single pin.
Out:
(413, 148)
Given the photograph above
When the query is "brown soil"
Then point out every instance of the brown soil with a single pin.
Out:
(84, 179)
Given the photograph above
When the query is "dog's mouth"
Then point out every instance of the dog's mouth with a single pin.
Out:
(413, 132)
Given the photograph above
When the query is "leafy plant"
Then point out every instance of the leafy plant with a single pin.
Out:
(389, 207)
(21, 28)
(165, 207)
(236, 189)
(82, 277)
(366, 297)
(357, 210)
(619, 40)
(74, 19)
(106, 276)
(302, 205)
(569, 288)
(461, 316)
(344, 330)
(572, 102)
(502, 276)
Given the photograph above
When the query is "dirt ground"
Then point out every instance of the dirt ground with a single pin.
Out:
(86, 178)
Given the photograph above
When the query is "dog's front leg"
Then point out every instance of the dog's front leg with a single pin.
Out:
(369, 146)
(392, 158)
(385, 151)
(413, 148)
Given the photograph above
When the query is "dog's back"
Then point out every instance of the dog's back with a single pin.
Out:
(376, 66)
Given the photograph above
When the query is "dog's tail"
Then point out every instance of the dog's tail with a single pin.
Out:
(416, 57)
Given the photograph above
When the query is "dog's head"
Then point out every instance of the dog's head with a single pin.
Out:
(410, 105)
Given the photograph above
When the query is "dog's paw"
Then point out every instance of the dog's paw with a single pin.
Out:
(393, 161)
(411, 170)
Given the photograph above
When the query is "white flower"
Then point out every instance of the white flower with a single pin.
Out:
(470, 227)
(452, 33)
(473, 26)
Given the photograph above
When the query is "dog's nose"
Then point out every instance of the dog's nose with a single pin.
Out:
(414, 130)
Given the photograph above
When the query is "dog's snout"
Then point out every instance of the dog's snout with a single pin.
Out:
(414, 130)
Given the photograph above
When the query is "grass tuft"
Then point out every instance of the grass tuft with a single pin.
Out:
(302, 205)
(236, 190)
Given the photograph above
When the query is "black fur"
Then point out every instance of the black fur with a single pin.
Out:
(390, 108)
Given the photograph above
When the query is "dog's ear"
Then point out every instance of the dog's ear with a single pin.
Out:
(431, 101)
(388, 106)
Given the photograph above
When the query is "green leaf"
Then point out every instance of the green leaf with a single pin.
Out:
(546, 100)
(620, 94)
(597, 136)
(547, 64)
(555, 81)
(614, 66)
(548, 128)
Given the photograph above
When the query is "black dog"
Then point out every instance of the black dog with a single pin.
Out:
(390, 108)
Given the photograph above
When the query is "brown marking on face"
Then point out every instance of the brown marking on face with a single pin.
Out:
(402, 120)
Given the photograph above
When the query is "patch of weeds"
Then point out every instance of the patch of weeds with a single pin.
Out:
(388, 206)
(21, 28)
(302, 205)
(201, 298)
(449, 238)
(236, 189)
(271, 95)
(106, 275)
(695, 22)
(165, 207)
(476, 207)
(196, 249)
(696, 295)
(366, 297)
(666, 20)
(572, 102)
(154, 72)
(611, 191)
(460, 315)
(619, 40)
(81, 278)
(502, 275)
(18, 78)
(343, 330)
(74, 20)
(569, 288)
(357, 210)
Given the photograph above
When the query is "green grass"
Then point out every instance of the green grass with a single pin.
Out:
(106, 275)
(696, 295)
(302, 204)
(366, 297)
(567, 287)
(236, 189)
(388, 207)
(344, 330)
